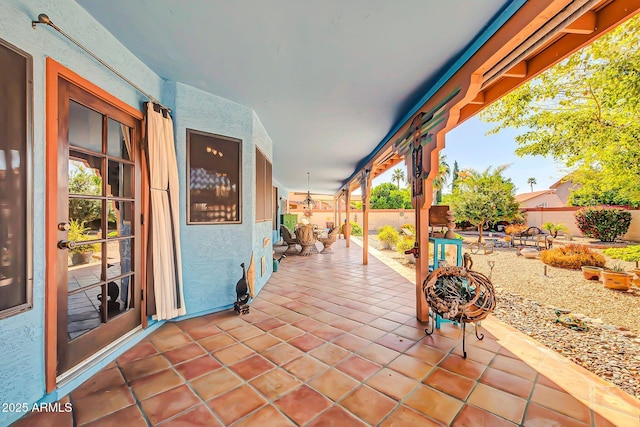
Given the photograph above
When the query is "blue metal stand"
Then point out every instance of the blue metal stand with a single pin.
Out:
(440, 251)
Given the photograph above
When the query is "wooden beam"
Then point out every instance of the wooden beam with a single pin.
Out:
(519, 70)
(347, 227)
(586, 24)
(478, 100)
(608, 18)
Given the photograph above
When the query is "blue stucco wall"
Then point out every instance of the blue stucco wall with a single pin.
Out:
(22, 336)
(211, 253)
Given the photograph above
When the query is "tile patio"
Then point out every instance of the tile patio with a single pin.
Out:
(331, 342)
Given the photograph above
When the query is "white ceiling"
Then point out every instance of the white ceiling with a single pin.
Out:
(328, 78)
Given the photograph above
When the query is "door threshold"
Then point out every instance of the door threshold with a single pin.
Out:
(82, 367)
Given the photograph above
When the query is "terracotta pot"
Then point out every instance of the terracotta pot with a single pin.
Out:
(78, 258)
(615, 280)
(591, 273)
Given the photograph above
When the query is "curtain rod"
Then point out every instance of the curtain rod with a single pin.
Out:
(44, 19)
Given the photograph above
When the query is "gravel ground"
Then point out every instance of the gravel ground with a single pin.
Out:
(527, 299)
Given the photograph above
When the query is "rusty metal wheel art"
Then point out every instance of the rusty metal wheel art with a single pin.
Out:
(460, 295)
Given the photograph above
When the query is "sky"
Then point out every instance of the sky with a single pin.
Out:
(471, 147)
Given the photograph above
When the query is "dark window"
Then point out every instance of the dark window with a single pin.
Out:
(15, 182)
(264, 188)
(213, 178)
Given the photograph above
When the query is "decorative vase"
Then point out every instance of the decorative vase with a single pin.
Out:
(616, 280)
(590, 272)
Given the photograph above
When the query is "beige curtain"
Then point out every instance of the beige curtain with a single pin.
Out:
(165, 235)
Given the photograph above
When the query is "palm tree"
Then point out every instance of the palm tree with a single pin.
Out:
(441, 179)
(398, 175)
(531, 181)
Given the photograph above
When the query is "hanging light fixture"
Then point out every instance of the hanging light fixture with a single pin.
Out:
(308, 202)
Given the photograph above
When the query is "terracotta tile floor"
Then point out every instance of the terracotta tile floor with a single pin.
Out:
(330, 342)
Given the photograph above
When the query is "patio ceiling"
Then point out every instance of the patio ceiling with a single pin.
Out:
(329, 79)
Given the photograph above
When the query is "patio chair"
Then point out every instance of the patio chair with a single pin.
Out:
(307, 239)
(329, 240)
(290, 240)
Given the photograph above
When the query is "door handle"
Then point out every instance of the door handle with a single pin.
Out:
(66, 244)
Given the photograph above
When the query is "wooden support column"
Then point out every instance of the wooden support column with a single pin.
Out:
(339, 224)
(419, 162)
(365, 189)
(347, 224)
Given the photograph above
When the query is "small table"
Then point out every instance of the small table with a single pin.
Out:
(439, 250)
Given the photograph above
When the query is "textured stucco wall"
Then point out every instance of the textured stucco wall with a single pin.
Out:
(262, 230)
(212, 253)
(22, 336)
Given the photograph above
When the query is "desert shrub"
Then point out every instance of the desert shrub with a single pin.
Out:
(572, 257)
(630, 253)
(603, 223)
(388, 235)
(515, 228)
(554, 229)
(356, 230)
(405, 243)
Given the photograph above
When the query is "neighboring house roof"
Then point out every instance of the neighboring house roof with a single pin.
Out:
(520, 198)
(558, 183)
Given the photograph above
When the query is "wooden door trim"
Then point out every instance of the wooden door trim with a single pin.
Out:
(54, 71)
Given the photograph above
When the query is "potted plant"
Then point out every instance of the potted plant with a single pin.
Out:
(591, 272)
(616, 278)
(80, 254)
(404, 244)
(388, 236)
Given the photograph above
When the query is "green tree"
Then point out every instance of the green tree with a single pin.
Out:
(441, 179)
(584, 113)
(482, 197)
(387, 196)
(532, 181)
(398, 175)
(81, 181)
(454, 175)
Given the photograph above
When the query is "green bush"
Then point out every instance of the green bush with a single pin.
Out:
(630, 253)
(356, 230)
(572, 257)
(603, 223)
(389, 235)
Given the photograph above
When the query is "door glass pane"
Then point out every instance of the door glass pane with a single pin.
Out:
(119, 257)
(85, 219)
(85, 127)
(119, 296)
(120, 218)
(85, 176)
(118, 139)
(120, 182)
(85, 257)
(84, 312)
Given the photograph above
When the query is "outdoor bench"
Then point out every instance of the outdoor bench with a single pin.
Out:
(532, 236)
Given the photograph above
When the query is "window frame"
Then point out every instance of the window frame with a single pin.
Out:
(264, 187)
(218, 138)
(28, 191)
